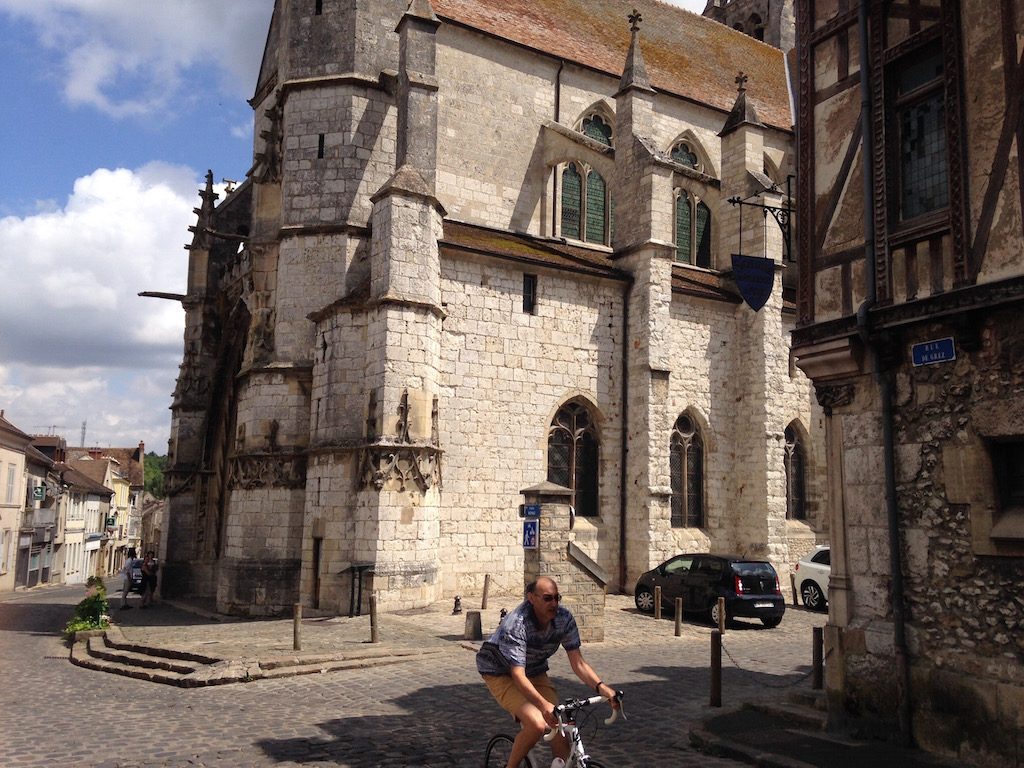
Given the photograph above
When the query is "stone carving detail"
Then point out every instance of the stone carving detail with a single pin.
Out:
(178, 481)
(267, 168)
(260, 343)
(268, 470)
(401, 464)
(192, 385)
(830, 397)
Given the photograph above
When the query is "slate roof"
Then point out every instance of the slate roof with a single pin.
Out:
(686, 54)
(81, 481)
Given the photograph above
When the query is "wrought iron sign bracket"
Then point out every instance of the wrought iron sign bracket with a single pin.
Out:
(781, 214)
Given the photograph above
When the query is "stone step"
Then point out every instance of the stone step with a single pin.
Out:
(80, 657)
(368, 655)
(336, 665)
(808, 698)
(116, 639)
(99, 648)
(799, 715)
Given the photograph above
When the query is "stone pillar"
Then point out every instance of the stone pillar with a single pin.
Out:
(581, 582)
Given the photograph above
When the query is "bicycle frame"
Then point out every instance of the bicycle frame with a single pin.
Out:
(566, 716)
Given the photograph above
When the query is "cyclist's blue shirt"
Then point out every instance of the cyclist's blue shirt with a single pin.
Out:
(520, 642)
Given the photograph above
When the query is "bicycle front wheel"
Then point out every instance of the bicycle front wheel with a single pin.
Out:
(594, 764)
(498, 750)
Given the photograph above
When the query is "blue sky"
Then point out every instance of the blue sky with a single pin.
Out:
(115, 109)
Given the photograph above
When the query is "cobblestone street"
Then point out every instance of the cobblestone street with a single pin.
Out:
(433, 711)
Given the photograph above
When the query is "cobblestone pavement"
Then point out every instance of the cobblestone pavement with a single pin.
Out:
(433, 711)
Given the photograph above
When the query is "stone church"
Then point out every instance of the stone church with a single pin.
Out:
(486, 245)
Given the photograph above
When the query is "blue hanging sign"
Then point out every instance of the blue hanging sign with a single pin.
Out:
(935, 351)
(755, 277)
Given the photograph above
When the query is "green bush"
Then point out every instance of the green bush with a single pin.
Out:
(92, 612)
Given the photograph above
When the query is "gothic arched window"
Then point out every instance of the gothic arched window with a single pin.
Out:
(796, 500)
(572, 456)
(687, 470)
(693, 231)
(598, 129)
(683, 154)
(586, 205)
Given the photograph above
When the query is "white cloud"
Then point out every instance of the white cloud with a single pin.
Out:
(77, 342)
(131, 58)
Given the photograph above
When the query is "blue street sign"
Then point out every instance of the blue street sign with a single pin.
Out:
(531, 510)
(937, 351)
(531, 533)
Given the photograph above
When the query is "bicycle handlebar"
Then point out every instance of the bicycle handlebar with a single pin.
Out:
(572, 706)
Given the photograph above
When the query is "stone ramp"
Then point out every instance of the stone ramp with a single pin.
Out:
(109, 651)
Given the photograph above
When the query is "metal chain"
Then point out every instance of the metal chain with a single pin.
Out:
(790, 684)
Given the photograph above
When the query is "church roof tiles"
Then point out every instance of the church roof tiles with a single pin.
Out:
(686, 54)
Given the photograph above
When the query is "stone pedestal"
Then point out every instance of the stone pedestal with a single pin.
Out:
(581, 582)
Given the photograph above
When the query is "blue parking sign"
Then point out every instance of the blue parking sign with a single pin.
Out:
(531, 532)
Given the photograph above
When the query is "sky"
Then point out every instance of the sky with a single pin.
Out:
(115, 109)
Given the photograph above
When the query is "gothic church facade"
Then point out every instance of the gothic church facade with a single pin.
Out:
(483, 245)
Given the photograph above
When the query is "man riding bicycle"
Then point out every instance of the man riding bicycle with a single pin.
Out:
(514, 665)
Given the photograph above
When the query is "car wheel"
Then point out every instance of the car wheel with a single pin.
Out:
(771, 622)
(644, 599)
(812, 597)
(714, 614)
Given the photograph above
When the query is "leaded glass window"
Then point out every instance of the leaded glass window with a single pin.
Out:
(596, 208)
(703, 234)
(573, 456)
(796, 504)
(572, 202)
(686, 452)
(684, 225)
(596, 128)
(682, 154)
(920, 122)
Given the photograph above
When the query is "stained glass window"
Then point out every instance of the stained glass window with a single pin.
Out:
(686, 466)
(572, 202)
(683, 229)
(703, 235)
(682, 153)
(596, 205)
(597, 128)
(573, 456)
(796, 506)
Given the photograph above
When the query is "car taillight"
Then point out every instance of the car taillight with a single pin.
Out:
(738, 582)
(778, 589)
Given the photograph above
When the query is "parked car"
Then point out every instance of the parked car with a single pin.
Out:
(750, 587)
(812, 573)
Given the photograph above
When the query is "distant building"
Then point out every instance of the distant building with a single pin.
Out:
(911, 326)
(769, 20)
(13, 445)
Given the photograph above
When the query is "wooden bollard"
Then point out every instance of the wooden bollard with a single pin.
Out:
(474, 630)
(374, 638)
(721, 615)
(817, 657)
(679, 616)
(297, 627)
(792, 584)
(716, 668)
(657, 602)
(487, 589)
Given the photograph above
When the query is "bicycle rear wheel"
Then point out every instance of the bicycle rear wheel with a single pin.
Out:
(498, 750)
(594, 764)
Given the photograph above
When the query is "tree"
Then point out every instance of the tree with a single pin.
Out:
(155, 474)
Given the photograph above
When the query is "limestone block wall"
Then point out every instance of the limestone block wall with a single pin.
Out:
(340, 396)
(358, 126)
(273, 405)
(504, 374)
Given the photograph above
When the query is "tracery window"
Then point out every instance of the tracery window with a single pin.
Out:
(686, 466)
(796, 481)
(573, 456)
(693, 230)
(683, 153)
(586, 205)
(597, 128)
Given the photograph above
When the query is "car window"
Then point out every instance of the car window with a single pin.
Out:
(761, 570)
(709, 566)
(824, 557)
(678, 566)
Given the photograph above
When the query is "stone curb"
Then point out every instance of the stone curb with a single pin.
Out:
(708, 743)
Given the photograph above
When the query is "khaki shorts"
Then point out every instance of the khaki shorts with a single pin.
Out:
(511, 698)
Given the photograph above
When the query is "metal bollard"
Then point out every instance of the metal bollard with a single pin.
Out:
(792, 584)
(679, 616)
(657, 602)
(374, 638)
(716, 669)
(297, 627)
(487, 589)
(721, 615)
(457, 608)
(817, 657)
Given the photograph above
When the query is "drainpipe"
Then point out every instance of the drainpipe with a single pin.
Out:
(885, 386)
(624, 448)
(554, 172)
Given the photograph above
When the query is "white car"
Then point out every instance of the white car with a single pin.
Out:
(812, 577)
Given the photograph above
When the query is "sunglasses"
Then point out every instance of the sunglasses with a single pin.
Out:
(549, 598)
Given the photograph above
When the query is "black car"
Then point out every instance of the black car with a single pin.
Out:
(750, 587)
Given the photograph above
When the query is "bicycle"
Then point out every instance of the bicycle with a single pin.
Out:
(499, 747)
